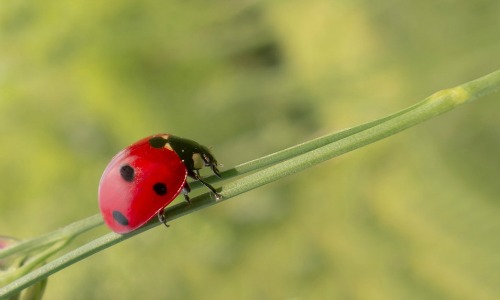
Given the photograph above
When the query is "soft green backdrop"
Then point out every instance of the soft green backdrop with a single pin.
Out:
(415, 216)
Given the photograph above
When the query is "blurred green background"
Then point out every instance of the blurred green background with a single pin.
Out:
(415, 216)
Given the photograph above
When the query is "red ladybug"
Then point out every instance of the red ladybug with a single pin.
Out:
(145, 177)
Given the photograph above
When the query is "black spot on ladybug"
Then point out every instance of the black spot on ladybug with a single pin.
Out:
(157, 142)
(160, 188)
(127, 173)
(120, 218)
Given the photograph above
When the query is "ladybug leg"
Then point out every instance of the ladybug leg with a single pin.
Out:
(185, 191)
(162, 218)
(196, 175)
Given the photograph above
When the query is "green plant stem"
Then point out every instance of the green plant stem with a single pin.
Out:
(65, 233)
(33, 262)
(284, 163)
(287, 153)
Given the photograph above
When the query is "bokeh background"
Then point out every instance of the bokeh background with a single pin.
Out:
(415, 216)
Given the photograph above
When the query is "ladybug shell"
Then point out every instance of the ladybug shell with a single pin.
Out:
(138, 183)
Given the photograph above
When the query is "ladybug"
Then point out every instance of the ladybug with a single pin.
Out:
(142, 179)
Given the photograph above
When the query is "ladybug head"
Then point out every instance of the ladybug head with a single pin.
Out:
(191, 153)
